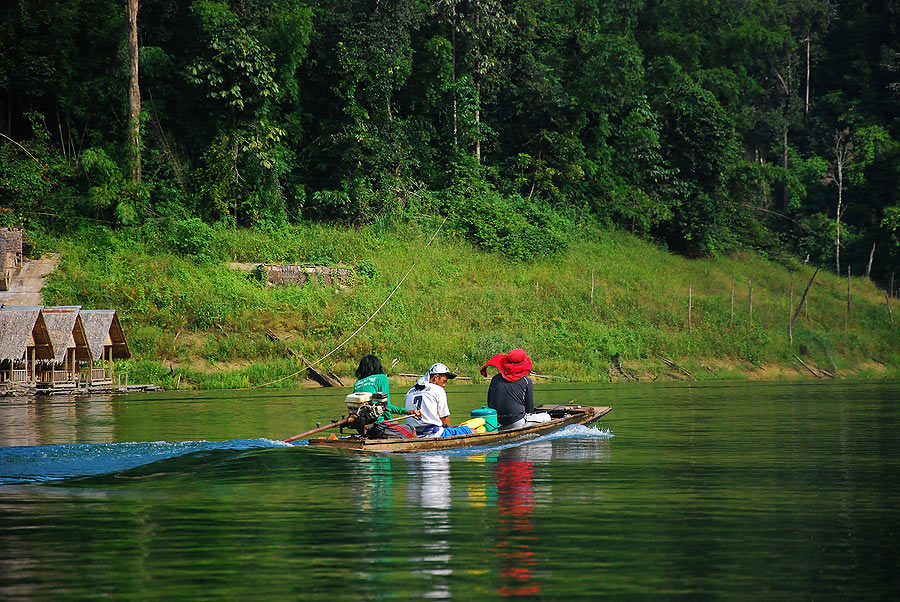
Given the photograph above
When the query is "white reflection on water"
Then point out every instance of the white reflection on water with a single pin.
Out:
(428, 488)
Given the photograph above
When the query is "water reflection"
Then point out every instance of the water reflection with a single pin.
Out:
(34, 421)
(515, 522)
(428, 488)
(412, 499)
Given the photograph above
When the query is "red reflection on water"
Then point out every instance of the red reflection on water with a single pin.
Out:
(515, 501)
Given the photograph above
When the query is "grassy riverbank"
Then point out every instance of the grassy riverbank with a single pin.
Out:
(194, 322)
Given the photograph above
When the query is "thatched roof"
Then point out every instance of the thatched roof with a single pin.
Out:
(66, 331)
(17, 326)
(102, 327)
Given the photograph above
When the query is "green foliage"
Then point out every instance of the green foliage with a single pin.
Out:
(237, 69)
(508, 225)
(687, 123)
(34, 177)
(106, 185)
(191, 237)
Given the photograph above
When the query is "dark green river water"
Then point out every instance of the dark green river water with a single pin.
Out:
(747, 491)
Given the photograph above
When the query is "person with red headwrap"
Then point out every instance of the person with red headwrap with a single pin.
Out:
(511, 392)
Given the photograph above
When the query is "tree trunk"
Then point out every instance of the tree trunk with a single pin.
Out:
(869, 265)
(806, 101)
(837, 220)
(134, 94)
(453, 70)
(478, 123)
(784, 163)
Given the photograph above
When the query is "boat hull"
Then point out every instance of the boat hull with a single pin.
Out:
(562, 416)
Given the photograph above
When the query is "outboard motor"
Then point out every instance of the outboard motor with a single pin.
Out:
(367, 407)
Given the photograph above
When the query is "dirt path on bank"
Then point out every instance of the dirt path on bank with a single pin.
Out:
(25, 288)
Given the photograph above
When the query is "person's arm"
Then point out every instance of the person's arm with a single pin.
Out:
(529, 396)
(382, 385)
(443, 408)
(395, 409)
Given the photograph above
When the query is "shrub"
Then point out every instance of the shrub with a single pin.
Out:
(509, 225)
(191, 237)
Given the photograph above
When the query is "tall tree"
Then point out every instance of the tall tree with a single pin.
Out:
(852, 153)
(134, 95)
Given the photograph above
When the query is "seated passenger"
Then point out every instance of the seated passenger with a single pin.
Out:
(371, 379)
(429, 398)
(511, 392)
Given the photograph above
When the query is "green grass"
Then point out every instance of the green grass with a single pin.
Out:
(198, 323)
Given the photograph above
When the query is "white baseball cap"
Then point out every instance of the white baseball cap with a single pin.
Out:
(440, 368)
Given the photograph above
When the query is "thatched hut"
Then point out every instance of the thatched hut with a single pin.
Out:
(106, 340)
(24, 341)
(70, 346)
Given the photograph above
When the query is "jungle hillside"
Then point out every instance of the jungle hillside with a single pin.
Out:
(631, 190)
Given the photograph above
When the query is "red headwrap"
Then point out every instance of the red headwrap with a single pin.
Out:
(512, 366)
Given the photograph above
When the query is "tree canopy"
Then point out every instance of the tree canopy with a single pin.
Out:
(707, 126)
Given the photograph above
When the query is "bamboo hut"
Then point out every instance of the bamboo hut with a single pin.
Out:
(70, 347)
(24, 341)
(106, 341)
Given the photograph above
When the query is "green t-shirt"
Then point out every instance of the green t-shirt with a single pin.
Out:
(378, 383)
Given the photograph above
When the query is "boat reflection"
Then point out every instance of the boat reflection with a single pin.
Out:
(428, 488)
(493, 515)
(518, 493)
(515, 526)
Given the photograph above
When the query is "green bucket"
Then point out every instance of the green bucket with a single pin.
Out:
(490, 418)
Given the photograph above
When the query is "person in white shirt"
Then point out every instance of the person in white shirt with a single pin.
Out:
(429, 397)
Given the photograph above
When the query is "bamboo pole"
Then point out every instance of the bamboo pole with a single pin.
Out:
(847, 319)
(731, 317)
(592, 286)
(690, 302)
(790, 312)
(803, 299)
(805, 365)
(750, 285)
(887, 301)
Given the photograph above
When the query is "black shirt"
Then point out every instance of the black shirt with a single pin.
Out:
(511, 400)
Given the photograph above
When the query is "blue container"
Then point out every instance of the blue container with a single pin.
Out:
(490, 418)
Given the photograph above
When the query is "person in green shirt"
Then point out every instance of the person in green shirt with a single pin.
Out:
(371, 379)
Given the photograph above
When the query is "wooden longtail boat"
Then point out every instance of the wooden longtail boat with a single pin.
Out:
(562, 415)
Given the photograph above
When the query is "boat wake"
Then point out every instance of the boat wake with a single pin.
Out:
(52, 463)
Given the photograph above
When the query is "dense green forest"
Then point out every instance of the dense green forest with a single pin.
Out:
(705, 126)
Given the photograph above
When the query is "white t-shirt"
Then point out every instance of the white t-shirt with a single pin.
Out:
(432, 401)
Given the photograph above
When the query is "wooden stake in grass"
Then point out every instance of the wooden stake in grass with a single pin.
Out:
(750, 285)
(887, 301)
(731, 317)
(592, 287)
(847, 319)
(790, 312)
(690, 302)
